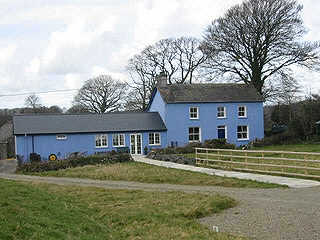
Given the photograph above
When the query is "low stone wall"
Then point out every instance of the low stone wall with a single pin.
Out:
(171, 158)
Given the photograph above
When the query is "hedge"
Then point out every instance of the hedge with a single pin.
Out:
(190, 148)
(107, 158)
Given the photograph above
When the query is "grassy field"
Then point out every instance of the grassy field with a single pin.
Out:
(140, 172)
(267, 159)
(43, 211)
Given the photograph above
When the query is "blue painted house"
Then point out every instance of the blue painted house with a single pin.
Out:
(176, 116)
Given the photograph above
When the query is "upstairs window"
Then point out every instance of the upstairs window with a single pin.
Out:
(101, 140)
(243, 132)
(194, 112)
(194, 134)
(154, 139)
(221, 112)
(242, 111)
(118, 140)
(61, 137)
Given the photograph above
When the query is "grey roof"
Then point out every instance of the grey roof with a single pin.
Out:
(83, 123)
(208, 92)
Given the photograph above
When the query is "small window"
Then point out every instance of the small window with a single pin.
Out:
(243, 132)
(221, 112)
(118, 140)
(154, 139)
(61, 137)
(242, 111)
(194, 134)
(101, 140)
(194, 112)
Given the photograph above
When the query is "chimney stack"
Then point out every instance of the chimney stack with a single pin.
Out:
(161, 79)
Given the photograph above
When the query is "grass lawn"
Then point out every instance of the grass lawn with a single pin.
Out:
(141, 172)
(292, 147)
(43, 211)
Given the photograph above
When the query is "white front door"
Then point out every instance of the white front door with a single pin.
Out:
(136, 143)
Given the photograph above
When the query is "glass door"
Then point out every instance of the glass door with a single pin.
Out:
(136, 143)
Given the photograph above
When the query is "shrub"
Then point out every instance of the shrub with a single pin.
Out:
(108, 158)
(190, 148)
(278, 139)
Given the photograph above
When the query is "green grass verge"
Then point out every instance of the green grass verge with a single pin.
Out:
(308, 147)
(140, 172)
(43, 211)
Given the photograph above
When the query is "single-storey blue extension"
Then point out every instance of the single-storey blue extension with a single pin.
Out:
(176, 116)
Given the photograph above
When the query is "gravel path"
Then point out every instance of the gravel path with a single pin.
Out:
(261, 214)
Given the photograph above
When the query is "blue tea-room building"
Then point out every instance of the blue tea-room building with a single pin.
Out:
(177, 114)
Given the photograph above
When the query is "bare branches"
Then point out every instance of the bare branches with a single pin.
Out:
(101, 94)
(32, 101)
(179, 58)
(258, 41)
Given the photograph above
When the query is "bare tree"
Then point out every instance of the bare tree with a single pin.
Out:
(101, 94)
(32, 101)
(257, 42)
(180, 59)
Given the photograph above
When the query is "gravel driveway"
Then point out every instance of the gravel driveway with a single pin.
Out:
(261, 214)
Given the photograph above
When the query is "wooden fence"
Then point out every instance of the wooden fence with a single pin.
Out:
(302, 164)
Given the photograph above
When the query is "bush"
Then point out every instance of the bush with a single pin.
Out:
(190, 148)
(108, 158)
(278, 139)
(171, 158)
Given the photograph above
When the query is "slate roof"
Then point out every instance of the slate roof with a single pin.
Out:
(208, 92)
(85, 123)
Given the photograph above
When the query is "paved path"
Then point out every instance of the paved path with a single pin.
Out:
(286, 214)
(291, 182)
(8, 166)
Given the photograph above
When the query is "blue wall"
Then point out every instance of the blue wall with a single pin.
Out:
(84, 142)
(158, 105)
(178, 121)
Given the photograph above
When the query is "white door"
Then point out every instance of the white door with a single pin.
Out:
(136, 143)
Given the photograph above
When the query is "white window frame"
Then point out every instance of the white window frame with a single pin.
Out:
(225, 131)
(118, 136)
(100, 138)
(245, 111)
(61, 137)
(191, 141)
(224, 112)
(243, 139)
(191, 112)
(154, 139)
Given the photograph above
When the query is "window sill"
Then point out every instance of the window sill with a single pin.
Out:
(102, 147)
(242, 117)
(193, 118)
(118, 146)
(155, 144)
(242, 139)
(221, 117)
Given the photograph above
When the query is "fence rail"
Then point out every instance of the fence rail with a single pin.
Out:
(302, 164)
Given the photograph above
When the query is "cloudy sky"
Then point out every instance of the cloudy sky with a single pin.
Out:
(58, 44)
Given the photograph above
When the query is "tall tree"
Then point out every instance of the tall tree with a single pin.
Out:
(32, 101)
(180, 59)
(101, 94)
(257, 42)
